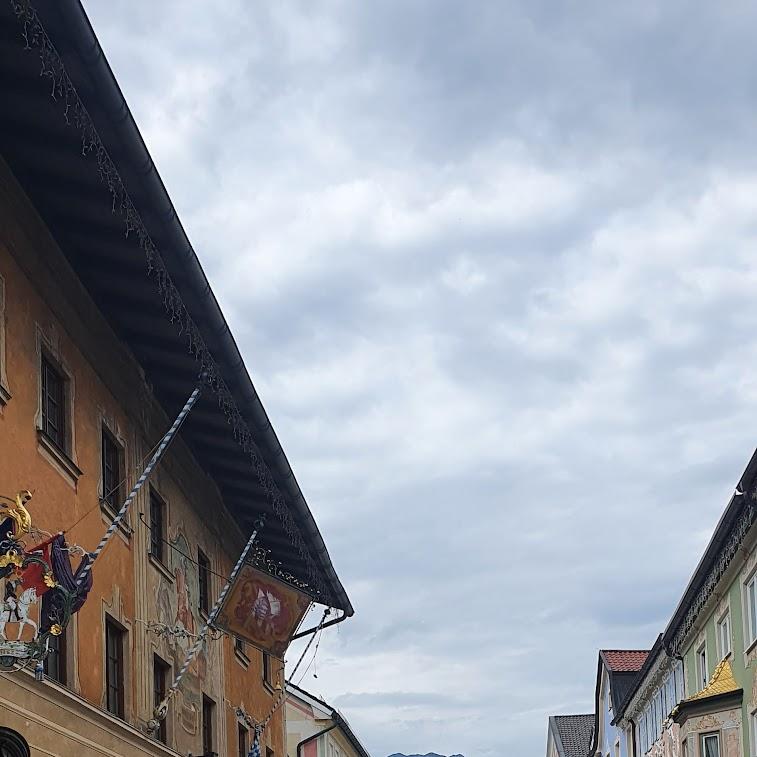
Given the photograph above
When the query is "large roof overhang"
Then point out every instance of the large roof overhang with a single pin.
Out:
(43, 147)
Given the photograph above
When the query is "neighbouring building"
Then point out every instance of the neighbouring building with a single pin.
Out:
(644, 716)
(316, 729)
(569, 735)
(617, 670)
(695, 695)
(106, 322)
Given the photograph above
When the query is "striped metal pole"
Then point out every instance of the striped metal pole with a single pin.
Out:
(164, 442)
(162, 709)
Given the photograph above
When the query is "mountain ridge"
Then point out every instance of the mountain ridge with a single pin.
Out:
(428, 754)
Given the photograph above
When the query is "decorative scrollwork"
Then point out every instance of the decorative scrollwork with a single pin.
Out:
(75, 113)
(725, 557)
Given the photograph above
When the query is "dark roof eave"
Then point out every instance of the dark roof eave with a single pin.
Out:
(699, 706)
(69, 18)
(719, 535)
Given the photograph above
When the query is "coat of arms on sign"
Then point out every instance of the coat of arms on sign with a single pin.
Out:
(262, 610)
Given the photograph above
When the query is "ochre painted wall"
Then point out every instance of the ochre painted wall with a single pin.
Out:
(45, 308)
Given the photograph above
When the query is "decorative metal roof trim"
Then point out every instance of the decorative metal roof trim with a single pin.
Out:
(725, 557)
(76, 114)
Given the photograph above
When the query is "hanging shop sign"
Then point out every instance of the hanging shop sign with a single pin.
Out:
(262, 610)
(38, 584)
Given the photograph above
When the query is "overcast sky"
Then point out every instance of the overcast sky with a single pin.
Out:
(492, 268)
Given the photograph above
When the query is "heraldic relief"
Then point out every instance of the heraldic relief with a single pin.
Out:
(40, 590)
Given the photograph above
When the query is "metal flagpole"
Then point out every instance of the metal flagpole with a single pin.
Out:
(161, 710)
(164, 442)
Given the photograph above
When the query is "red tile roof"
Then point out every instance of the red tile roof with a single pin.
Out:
(624, 660)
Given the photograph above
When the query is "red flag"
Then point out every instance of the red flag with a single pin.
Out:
(34, 573)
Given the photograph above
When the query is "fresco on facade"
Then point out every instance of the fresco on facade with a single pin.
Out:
(178, 608)
(263, 611)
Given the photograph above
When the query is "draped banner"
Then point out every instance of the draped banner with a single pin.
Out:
(262, 611)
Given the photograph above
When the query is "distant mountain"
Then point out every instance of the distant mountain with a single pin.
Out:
(430, 754)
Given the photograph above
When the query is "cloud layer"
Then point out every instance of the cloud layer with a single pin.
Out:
(491, 267)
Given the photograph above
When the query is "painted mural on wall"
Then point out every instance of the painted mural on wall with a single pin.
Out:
(263, 611)
(177, 605)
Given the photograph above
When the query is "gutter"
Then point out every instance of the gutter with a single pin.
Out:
(313, 737)
(139, 173)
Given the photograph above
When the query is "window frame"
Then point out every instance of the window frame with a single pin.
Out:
(112, 495)
(750, 614)
(243, 740)
(207, 725)
(203, 582)
(724, 623)
(709, 735)
(57, 653)
(61, 439)
(158, 533)
(702, 668)
(115, 638)
(266, 669)
(161, 669)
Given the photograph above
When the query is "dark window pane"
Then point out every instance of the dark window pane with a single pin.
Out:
(55, 662)
(114, 668)
(204, 577)
(208, 707)
(157, 526)
(53, 404)
(267, 668)
(242, 741)
(160, 672)
(112, 471)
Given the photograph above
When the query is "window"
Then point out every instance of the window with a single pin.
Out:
(160, 672)
(679, 681)
(114, 667)
(242, 740)
(267, 677)
(55, 662)
(54, 404)
(724, 636)
(710, 745)
(157, 526)
(203, 565)
(702, 667)
(240, 647)
(208, 712)
(113, 469)
(617, 749)
(269, 752)
(685, 748)
(750, 592)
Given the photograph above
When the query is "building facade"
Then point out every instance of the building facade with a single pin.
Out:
(617, 669)
(696, 693)
(315, 729)
(102, 337)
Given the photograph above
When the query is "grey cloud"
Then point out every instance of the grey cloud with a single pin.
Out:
(491, 266)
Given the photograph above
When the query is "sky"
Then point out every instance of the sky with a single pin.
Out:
(490, 265)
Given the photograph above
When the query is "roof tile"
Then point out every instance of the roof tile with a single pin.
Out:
(624, 660)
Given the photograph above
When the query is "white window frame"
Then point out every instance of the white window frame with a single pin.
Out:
(723, 634)
(750, 610)
(710, 735)
(702, 667)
